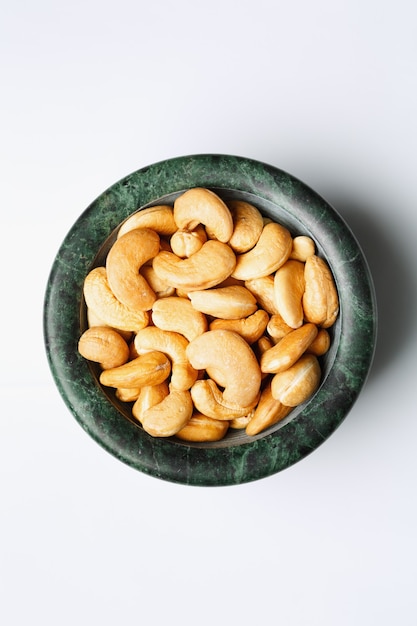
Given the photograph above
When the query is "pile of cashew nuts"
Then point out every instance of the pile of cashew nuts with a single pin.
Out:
(207, 316)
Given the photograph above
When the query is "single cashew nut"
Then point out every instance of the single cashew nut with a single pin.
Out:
(206, 268)
(247, 225)
(289, 285)
(202, 428)
(302, 248)
(94, 320)
(103, 345)
(158, 286)
(148, 369)
(277, 328)
(124, 260)
(287, 351)
(184, 243)
(127, 395)
(209, 400)
(174, 345)
(268, 412)
(251, 328)
(148, 397)
(158, 218)
(263, 290)
(296, 384)
(178, 315)
(225, 302)
(320, 300)
(230, 362)
(271, 251)
(202, 206)
(102, 301)
(170, 415)
(321, 344)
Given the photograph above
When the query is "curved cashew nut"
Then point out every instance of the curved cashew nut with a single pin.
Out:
(202, 428)
(174, 345)
(160, 287)
(268, 412)
(209, 400)
(296, 384)
(178, 315)
(288, 350)
(320, 300)
(289, 285)
(263, 290)
(225, 302)
(277, 328)
(251, 328)
(184, 243)
(103, 345)
(151, 368)
(102, 302)
(208, 267)
(230, 362)
(202, 206)
(148, 397)
(302, 248)
(170, 415)
(247, 225)
(124, 260)
(158, 218)
(271, 251)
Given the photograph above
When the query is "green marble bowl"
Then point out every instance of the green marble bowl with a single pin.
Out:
(237, 458)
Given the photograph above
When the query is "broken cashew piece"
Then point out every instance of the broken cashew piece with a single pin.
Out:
(206, 268)
(124, 260)
(102, 302)
(158, 218)
(230, 362)
(271, 251)
(202, 206)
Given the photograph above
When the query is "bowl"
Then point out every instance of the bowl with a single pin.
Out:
(237, 458)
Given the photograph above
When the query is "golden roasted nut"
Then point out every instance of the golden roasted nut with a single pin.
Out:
(251, 328)
(296, 384)
(268, 412)
(148, 397)
(263, 290)
(289, 349)
(247, 225)
(185, 243)
(302, 248)
(209, 400)
(158, 218)
(271, 251)
(320, 300)
(178, 315)
(229, 303)
(168, 416)
(103, 345)
(201, 428)
(151, 368)
(289, 287)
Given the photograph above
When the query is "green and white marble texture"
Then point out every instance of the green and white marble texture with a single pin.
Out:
(238, 458)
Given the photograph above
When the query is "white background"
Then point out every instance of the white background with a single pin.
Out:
(91, 91)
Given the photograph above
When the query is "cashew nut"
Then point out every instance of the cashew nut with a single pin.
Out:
(202, 428)
(251, 328)
(225, 302)
(270, 252)
(321, 344)
(209, 400)
(158, 218)
(263, 290)
(124, 260)
(103, 345)
(268, 412)
(102, 301)
(287, 351)
(184, 243)
(320, 300)
(170, 415)
(160, 287)
(247, 225)
(206, 268)
(178, 315)
(230, 362)
(289, 287)
(296, 384)
(302, 248)
(202, 206)
(148, 397)
(277, 328)
(148, 369)
(174, 345)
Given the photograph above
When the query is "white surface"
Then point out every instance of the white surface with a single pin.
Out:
(92, 91)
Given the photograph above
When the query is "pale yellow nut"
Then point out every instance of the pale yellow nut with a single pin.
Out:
(225, 302)
(277, 328)
(94, 320)
(160, 287)
(289, 288)
(320, 300)
(270, 252)
(123, 264)
(103, 345)
(174, 345)
(209, 400)
(251, 328)
(289, 349)
(239, 423)
(203, 206)
(268, 412)
(230, 362)
(247, 225)
(184, 243)
(298, 383)
(158, 218)
(148, 397)
(201, 428)
(302, 248)
(206, 268)
(321, 343)
(147, 369)
(102, 301)
(178, 315)
(127, 395)
(170, 415)
(264, 292)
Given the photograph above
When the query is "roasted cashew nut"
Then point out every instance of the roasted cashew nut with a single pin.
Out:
(184, 243)
(268, 412)
(289, 285)
(148, 397)
(271, 251)
(151, 368)
(230, 362)
(206, 268)
(178, 315)
(209, 400)
(289, 349)
(202, 206)
(170, 415)
(103, 345)
(202, 428)
(247, 225)
(251, 328)
(320, 300)
(229, 303)
(158, 218)
(124, 260)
